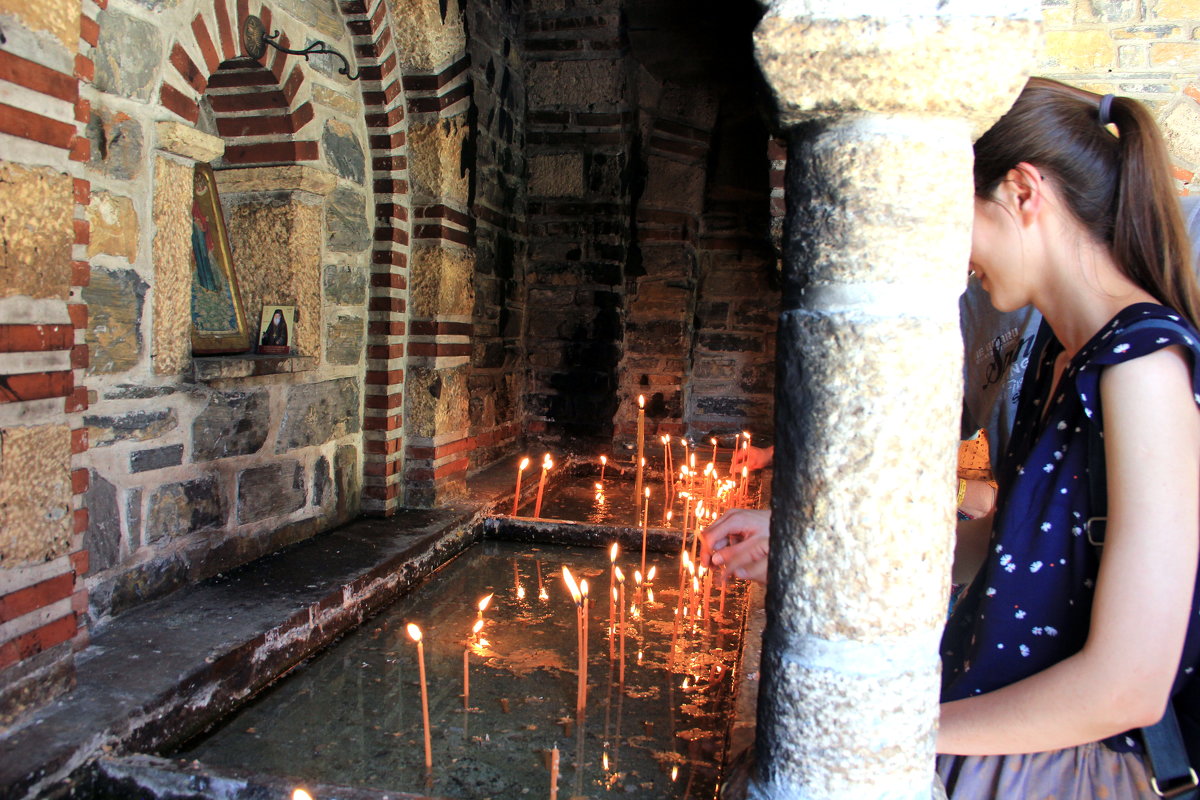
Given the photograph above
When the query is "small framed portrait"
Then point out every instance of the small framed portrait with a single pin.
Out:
(276, 329)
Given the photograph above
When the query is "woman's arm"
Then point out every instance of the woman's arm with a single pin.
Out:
(1122, 677)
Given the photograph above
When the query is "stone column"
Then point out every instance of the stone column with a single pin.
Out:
(882, 111)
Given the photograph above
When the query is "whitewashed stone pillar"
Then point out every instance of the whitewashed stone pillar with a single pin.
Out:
(884, 99)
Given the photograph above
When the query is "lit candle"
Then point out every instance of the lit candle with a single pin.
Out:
(645, 522)
(612, 597)
(742, 488)
(583, 590)
(577, 596)
(714, 444)
(621, 602)
(547, 464)
(641, 446)
(467, 664)
(603, 464)
(483, 604)
(666, 440)
(415, 633)
(554, 773)
(517, 494)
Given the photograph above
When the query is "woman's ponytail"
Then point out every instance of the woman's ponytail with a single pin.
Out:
(1118, 185)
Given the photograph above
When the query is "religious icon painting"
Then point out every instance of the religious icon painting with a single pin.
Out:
(276, 329)
(218, 322)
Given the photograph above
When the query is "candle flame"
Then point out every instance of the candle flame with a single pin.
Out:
(649, 595)
(686, 682)
(713, 440)
(414, 632)
(647, 488)
(543, 594)
(547, 462)
(572, 587)
(650, 574)
(603, 459)
(614, 593)
(478, 626)
(709, 469)
(669, 515)
(637, 577)
(604, 761)
(520, 592)
(745, 471)
(674, 773)
(687, 560)
(695, 584)
(524, 464)
(633, 611)
(692, 461)
(746, 434)
(483, 603)
(612, 553)
(300, 794)
(641, 401)
(620, 575)
(639, 656)
(583, 588)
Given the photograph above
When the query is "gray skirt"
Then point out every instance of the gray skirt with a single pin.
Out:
(1088, 772)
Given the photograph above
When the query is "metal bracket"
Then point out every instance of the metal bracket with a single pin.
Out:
(255, 39)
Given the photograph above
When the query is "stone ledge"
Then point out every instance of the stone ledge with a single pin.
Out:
(287, 178)
(184, 140)
(227, 367)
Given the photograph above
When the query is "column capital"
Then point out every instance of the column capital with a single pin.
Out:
(949, 58)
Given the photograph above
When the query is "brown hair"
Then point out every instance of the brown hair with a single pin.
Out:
(1118, 186)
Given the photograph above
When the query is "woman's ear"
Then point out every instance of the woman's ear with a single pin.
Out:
(1026, 187)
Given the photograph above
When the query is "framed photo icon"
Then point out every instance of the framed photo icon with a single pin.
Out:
(276, 329)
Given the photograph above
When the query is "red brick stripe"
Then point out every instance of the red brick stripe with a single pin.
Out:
(178, 102)
(36, 641)
(35, 386)
(224, 29)
(35, 338)
(27, 125)
(39, 595)
(41, 79)
(271, 152)
(207, 49)
(187, 68)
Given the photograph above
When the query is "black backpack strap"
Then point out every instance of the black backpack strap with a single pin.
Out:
(1171, 773)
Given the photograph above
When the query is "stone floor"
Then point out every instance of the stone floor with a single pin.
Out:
(159, 674)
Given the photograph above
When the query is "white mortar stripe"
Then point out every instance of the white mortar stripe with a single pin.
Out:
(35, 155)
(880, 658)
(22, 310)
(42, 104)
(931, 300)
(34, 619)
(30, 412)
(39, 361)
(19, 577)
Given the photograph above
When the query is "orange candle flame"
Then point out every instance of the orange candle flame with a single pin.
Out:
(414, 632)
(300, 794)
(483, 602)
(572, 587)
(651, 573)
(612, 553)
(641, 401)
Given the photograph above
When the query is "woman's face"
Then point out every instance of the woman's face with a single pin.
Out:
(996, 255)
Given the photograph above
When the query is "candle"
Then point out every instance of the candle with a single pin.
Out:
(547, 464)
(621, 602)
(415, 633)
(554, 773)
(645, 521)
(742, 488)
(517, 494)
(583, 657)
(612, 598)
(714, 444)
(483, 604)
(641, 446)
(603, 464)
(666, 440)
(581, 676)
(724, 586)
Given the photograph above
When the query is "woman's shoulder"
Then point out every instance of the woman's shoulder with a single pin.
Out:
(1138, 330)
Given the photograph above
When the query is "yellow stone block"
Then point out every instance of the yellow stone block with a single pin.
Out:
(37, 207)
(1058, 16)
(59, 18)
(35, 494)
(1177, 55)
(114, 226)
(1080, 51)
(1176, 9)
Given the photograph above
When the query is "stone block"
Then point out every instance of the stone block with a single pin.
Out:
(331, 98)
(1079, 50)
(136, 426)
(1107, 11)
(343, 151)
(128, 55)
(184, 140)
(1179, 56)
(102, 539)
(344, 339)
(185, 507)
(115, 298)
(128, 391)
(156, 458)
(1146, 32)
(435, 160)
(348, 476)
(59, 18)
(36, 231)
(437, 400)
(172, 248)
(319, 412)
(146, 581)
(1175, 9)
(673, 185)
(321, 481)
(577, 84)
(1181, 129)
(441, 281)
(270, 491)
(283, 178)
(424, 40)
(231, 424)
(116, 143)
(557, 175)
(133, 517)
(114, 226)
(347, 228)
(36, 523)
(345, 285)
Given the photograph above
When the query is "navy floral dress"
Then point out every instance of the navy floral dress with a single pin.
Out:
(1029, 606)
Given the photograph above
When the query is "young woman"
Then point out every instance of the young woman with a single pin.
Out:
(1060, 649)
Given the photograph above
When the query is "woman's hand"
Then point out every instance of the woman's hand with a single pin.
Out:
(739, 542)
(753, 458)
